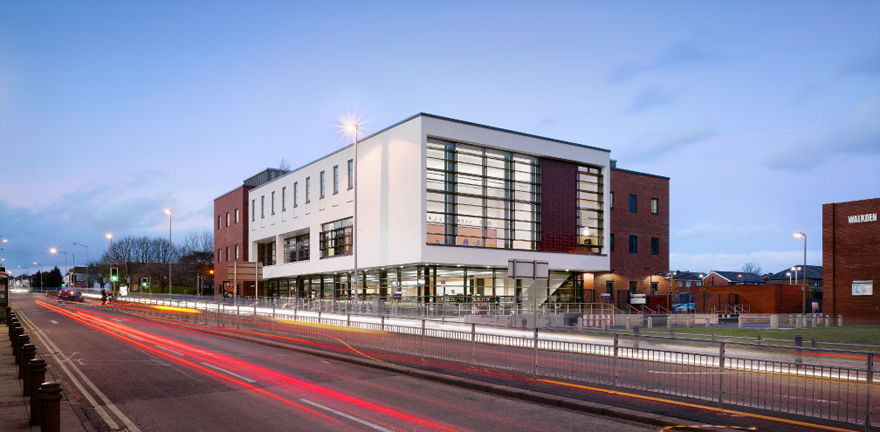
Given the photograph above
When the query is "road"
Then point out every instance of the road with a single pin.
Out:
(135, 374)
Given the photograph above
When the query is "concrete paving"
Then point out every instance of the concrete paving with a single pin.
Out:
(15, 409)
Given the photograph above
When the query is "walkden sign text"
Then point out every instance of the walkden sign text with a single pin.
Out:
(870, 217)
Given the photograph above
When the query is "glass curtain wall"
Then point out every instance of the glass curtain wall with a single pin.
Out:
(590, 214)
(482, 197)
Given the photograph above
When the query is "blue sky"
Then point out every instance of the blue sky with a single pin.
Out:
(759, 112)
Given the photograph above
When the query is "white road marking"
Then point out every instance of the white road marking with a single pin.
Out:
(64, 366)
(348, 416)
(171, 351)
(53, 321)
(246, 379)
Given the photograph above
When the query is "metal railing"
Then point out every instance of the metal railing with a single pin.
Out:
(795, 380)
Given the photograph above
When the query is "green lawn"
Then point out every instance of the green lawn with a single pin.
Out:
(174, 290)
(848, 334)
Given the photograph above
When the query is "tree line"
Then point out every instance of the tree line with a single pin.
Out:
(139, 257)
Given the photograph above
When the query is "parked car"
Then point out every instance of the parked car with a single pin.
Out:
(685, 308)
(70, 295)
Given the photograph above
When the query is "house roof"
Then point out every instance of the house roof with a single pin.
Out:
(686, 275)
(734, 276)
(813, 272)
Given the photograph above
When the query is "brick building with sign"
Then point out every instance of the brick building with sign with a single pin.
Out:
(851, 259)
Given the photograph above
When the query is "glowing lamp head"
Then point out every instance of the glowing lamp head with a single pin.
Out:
(109, 236)
(168, 211)
(53, 251)
(799, 234)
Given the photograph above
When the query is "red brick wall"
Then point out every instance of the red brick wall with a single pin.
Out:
(760, 299)
(715, 280)
(558, 206)
(631, 267)
(850, 252)
(233, 234)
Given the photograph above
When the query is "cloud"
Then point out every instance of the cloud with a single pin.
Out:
(708, 229)
(865, 64)
(856, 134)
(650, 97)
(770, 261)
(681, 54)
(669, 142)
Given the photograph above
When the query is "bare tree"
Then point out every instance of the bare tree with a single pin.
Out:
(284, 165)
(751, 268)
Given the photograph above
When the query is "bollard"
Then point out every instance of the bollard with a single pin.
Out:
(636, 334)
(827, 321)
(840, 320)
(790, 320)
(774, 322)
(814, 321)
(628, 324)
(798, 342)
(37, 373)
(22, 339)
(714, 336)
(650, 322)
(28, 352)
(50, 397)
(739, 320)
(669, 322)
(706, 324)
(687, 321)
(815, 342)
(12, 335)
(799, 322)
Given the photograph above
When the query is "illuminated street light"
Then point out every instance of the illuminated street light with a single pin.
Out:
(55, 251)
(168, 212)
(354, 127)
(800, 234)
(789, 277)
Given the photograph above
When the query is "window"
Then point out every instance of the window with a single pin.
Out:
(227, 254)
(633, 286)
(227, 219)
(654, 286)
(219, 222)
(321, 186)
(219, 257)
(590, 213)
(253, 210)
(612, 242)
(295, 189)
(609, 287)
(632, 203)
(655, 205)
(236, 216)
(335, 238)
(308, 187)
(482, 197)
(284, 199)
(267, 253)
(633, 244)
(262, 206)
(655, 246)
(236, 252)
(335, 179)
(296, 248)
(350, 173)
(273, 202)
(612, 200)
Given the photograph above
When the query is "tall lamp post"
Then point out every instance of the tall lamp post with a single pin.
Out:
(804, 289)
(168, 211)
(41, 274)
(88, 269)
(354, 127)
(109, 236)
(55, 251)
(26, 273)
(789, 277)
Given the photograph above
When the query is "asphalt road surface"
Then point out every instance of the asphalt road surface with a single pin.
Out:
(133, 374)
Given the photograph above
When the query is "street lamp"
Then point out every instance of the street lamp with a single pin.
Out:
(168, 211)
(742, 280)
(804, 289)
(88, 268)
(26, 272)
(41, 274)
(789, 277)
(794, 270)
(55, 251)
(355, 127)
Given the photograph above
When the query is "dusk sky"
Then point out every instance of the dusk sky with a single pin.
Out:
(758, 111)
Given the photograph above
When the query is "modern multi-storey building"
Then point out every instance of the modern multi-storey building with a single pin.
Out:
(442, 205)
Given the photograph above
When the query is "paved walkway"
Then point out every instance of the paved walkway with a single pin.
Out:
(15, 409)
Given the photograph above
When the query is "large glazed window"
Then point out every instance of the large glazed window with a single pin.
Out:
(296, 248)
(482, 197)
(336, 238)
(590, 224)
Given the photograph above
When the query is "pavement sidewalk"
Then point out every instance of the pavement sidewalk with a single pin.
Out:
(15, 409)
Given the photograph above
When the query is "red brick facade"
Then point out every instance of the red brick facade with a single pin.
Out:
(756, 299)
(558, 206)
(851, 252)
(631, 267)
(228, 237)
